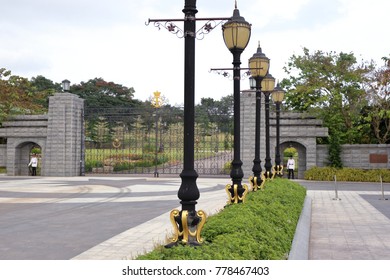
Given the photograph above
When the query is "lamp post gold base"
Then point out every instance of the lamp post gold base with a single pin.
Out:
(257, 183)
(235, 195)
(187, 227)
(277, 171)
(268, 175)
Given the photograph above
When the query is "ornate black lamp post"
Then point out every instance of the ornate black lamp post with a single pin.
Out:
(258, 65)
(277, 97)
(269, 84)
(188, 222)
(236, 34)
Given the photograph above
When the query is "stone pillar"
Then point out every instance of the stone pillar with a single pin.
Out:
(248, 125)
(64, 135)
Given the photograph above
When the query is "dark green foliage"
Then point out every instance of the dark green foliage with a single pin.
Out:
(89, 164)
(262, 228)
(335, 151)
(347, 174)
(147, 160)
(99, 93)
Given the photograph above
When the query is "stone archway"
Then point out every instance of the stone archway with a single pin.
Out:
(22, 156)
(60, 134)
(302, 157)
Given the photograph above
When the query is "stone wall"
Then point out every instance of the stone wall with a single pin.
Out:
(3, 155)
(368, 156)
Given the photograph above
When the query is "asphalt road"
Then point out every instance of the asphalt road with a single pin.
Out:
(59, 220)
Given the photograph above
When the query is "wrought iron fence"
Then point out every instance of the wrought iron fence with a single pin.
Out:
(128, 141)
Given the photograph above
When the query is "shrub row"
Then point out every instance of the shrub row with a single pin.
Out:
(347, 174)
(121, 163)
(262, 228)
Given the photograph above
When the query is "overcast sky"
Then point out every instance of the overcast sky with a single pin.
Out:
(84, 39)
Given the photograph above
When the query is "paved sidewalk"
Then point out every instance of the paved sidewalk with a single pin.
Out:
(354, 227)
(348, 229)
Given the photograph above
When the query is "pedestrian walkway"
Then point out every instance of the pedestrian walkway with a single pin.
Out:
(350, 228)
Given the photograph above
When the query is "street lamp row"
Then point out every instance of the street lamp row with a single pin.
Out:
(236, 31)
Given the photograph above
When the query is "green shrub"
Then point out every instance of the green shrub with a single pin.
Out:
(147, 160)
(125, 165)
(347, 174)
(89, 164)
(262, 228)
(227, 167)
(3, 169)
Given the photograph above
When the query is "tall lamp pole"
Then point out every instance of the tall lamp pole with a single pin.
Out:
(236, 34)
(269, 83)
(259, 66)
(188, 222)
(277, 97)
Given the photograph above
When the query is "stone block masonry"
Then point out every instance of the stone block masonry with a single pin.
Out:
(59, 134)
(65, 135)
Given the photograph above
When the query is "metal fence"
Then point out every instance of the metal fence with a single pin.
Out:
(150, 141)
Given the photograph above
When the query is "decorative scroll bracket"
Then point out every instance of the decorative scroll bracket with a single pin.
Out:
(187, 227)
(235, 195)
(225, 72)
(257, 183)
(170, 25)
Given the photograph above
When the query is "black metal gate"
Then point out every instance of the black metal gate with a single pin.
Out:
(150, 141)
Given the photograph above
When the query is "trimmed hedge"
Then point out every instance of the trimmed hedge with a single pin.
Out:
(347, 174)
(262, 228)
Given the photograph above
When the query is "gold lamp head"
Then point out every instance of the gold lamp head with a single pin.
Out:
(259, 64)
(278, 94)
(236, 32)
(268, 83)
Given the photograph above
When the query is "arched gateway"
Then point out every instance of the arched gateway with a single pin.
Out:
(58, 134)
(296, 130)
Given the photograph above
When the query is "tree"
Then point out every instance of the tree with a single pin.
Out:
(330, 86)
(46, 87)
(98, 93)
(219, 112)
(17, 96)
(334, 157)
(378, 111)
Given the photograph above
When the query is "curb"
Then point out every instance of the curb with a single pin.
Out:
(300, 244)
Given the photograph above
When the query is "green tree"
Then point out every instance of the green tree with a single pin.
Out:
(46, 87)
(17, 96)
(378, 111)
(98, 93)
(218, 112)
(330, 86)
(334, 157)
